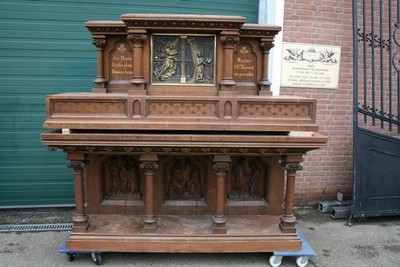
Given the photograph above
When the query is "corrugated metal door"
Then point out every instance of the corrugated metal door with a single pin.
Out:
(45, 49)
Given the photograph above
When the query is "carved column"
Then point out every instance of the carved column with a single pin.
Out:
(221, 166)
(80, 219)
(228, 39)
(265, 84)
(137, 38)
(288, 220)
(100, 82)
(149, 164)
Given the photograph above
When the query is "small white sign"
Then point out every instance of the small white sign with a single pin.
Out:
(310, 66)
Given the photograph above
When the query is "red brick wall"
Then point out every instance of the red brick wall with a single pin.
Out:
(327, 170)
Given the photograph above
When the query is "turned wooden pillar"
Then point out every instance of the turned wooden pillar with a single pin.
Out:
(137, 37)
(149, 164)
(228, 39)
(288, 220)
(221, 167)
(265, 84)
(80, 220)
(100, 82)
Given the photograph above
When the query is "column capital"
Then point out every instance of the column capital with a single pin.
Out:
(291, 164)
(229, 40)
(77, 161)
(149, 165)
(266, 46)
(137, 39)
(99, 42)
(77, 165)
(221, 166)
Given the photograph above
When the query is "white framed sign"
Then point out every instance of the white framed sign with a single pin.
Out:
(310, 65)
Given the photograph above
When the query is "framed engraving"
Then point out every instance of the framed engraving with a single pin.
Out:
(182, 59)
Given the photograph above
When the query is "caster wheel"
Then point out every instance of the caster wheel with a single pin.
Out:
(275, 261)
(302, 261)
(71, 256)
(96, 258)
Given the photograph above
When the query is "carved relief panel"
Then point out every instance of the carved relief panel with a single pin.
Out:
(185, 178)
(183, 59)
(247, 179)
(121, 177)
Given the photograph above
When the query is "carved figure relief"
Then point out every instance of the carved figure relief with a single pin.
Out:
(121, 177)
(168, 66)
(246, 179)
(183, 59)
(199, 62)
(185, 179)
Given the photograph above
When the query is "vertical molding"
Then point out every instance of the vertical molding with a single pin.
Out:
(272, 12)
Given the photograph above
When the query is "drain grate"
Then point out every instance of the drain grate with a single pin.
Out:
(35, 227)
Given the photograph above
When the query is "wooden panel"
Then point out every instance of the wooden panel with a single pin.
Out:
(86, 108)
(244, 113)
(182, 109)
(183, 234)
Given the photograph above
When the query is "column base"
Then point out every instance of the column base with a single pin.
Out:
(137, 84)
(80, 223)
(150, 224)
(264, 88)
(99, 90)
(219, 224)
(137, 91)
(288, 224)
(227, 85)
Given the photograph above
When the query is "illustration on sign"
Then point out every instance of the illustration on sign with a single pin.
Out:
(310, 66)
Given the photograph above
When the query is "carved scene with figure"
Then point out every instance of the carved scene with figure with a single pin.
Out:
(183, 59)
(247, 179)
(185, 179)
(121, 177)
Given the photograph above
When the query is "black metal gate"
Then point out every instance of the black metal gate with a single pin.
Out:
(376, 47)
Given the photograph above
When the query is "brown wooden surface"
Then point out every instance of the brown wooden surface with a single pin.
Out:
(183, 234)
(178, 161)
(117, 112)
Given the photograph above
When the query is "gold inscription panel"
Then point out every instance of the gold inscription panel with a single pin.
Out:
(183, 59)
(121, 62)
(244, 63)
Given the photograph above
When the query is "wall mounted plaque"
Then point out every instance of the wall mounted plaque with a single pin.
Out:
(183, 59)
(310, 66)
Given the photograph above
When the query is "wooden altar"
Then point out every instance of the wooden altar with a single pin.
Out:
(181, 146)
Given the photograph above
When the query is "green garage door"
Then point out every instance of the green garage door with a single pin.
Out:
(45, 49)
